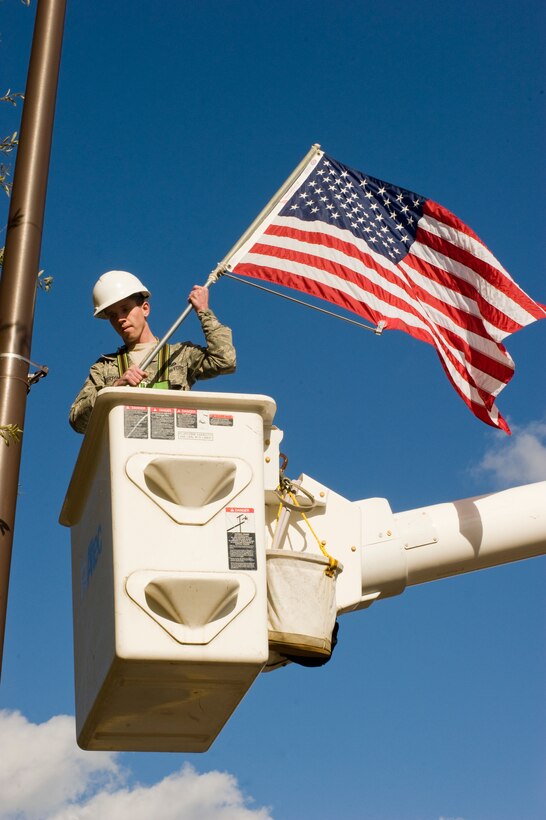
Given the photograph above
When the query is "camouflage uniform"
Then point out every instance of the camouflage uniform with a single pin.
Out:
(187, 363)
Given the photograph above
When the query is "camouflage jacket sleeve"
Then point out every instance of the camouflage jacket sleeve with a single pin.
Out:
(102, 374)
(217, 358)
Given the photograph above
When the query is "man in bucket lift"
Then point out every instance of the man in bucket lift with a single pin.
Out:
(121, 298)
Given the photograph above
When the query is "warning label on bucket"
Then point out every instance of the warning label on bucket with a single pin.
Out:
(135, 422)
(169, 423)
(162, 422)
(220, 420)
(241, 537)
(186, 418)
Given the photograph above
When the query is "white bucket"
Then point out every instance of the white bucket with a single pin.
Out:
(301, 602)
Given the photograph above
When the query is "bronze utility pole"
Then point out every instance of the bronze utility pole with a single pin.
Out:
(21, 261)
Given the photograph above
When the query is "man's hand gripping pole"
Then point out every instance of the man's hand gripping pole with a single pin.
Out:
(212, 278)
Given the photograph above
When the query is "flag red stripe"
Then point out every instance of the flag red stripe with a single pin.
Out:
(467, 321)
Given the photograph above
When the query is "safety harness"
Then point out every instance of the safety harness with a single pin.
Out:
(161, 380)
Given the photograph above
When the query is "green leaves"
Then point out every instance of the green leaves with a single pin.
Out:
(44, 282)
(12, 97)
(9, 143)
(10, 433)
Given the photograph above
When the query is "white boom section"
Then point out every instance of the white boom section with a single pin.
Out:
(384, 552)
(475, 533)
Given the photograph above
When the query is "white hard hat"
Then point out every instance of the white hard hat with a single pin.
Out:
(113, 286)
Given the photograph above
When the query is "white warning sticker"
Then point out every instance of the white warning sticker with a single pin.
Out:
(241, 538)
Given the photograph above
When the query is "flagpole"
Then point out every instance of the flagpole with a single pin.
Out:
(273, 202)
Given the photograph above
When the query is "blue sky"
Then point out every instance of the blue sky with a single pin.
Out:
(175, 123)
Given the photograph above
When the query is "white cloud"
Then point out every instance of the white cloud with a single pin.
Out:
(518, 459)
(185, 795)
(42, 768)
(45, 776)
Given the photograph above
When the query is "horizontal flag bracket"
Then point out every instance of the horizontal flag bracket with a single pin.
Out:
(377, 330)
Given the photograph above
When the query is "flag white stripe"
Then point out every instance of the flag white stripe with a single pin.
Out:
(335, 256)
(450, 297)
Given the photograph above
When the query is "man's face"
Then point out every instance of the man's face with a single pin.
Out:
(129, 319)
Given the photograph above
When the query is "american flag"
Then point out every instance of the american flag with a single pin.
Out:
(401, 261)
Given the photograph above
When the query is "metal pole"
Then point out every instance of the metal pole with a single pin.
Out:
(21, 261)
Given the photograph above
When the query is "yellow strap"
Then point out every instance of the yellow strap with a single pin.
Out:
(162, 365)
(123, 361)
(332, 562)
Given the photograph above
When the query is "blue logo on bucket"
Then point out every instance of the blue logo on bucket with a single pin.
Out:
(94, 550)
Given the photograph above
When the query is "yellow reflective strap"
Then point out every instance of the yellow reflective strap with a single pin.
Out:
(123, 361)
(162, 366)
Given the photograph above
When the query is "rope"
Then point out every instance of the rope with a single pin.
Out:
(287, 487)
(332, 562)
